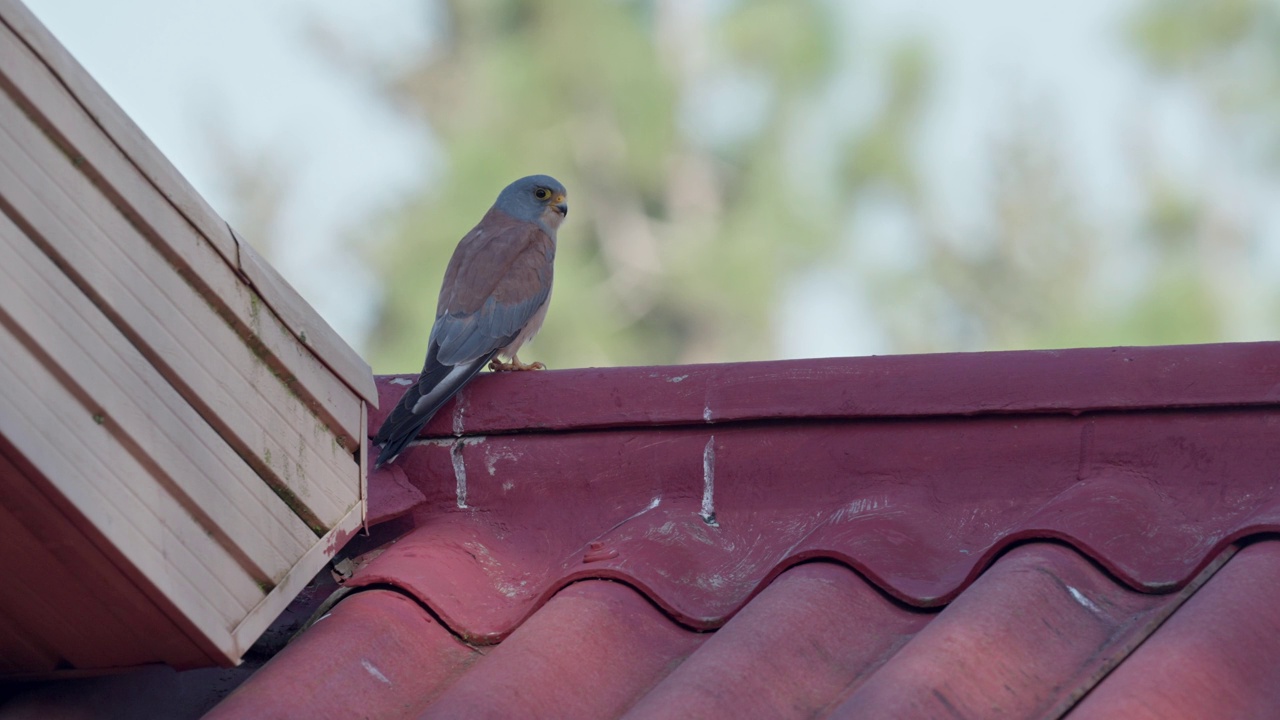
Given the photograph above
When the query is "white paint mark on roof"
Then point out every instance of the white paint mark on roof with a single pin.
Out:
(459, 410)
(709, 482)
(1084, 601)
(459, 472)
(374, 671)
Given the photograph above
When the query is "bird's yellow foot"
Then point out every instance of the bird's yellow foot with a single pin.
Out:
(515, 365)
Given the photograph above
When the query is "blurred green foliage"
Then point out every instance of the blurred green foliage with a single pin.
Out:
(1228, 51)
(686, 229)
(677, 245)
(1205, 285)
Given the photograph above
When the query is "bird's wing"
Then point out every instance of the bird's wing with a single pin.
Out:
(420, 401)
(497, 279)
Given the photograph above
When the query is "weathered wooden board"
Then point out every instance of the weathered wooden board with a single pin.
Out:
(169, 321)
(102, 164)
(116, 491)
(259, 618)
(174, 322)
(182, 438)
(76, 84)
(251, 520)
(98, 593)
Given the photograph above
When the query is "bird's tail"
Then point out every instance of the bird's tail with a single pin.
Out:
(433, 388)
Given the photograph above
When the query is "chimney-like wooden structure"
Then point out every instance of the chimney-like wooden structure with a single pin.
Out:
(181, 436)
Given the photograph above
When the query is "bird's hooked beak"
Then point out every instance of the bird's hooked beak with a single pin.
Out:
(561, 206)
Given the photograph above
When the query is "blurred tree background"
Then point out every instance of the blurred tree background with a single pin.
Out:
(711, 192)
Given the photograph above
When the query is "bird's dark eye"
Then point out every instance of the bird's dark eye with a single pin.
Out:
(542, 193)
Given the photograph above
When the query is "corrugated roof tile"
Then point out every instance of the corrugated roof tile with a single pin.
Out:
(376, 652)
(1032, 636)
(756, 541)
(1217, 657)
(1025, 640)
(919, 507)
(590, 652)
(1072, 553)
(806, 640)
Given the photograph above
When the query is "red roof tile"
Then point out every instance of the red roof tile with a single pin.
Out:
(375, 651)
(590, 652)
(977, 536)
(1218, 656)
(808, 639)
(919, 507)
(1029, 638)
(973, 536)
(1025, 640)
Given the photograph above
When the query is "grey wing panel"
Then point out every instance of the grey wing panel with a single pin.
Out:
(463, 338)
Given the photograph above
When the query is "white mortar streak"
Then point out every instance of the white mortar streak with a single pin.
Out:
(459, 408)
(709, 482)
(459, 472)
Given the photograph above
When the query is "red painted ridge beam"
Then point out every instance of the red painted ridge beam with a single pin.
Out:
(919, 508)
(1038, 381)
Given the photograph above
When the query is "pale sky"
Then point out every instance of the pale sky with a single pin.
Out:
(248, 68)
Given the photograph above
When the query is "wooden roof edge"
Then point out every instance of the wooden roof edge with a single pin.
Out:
(307, 326)
(1063, 382)
(304, 322)
(118, 126)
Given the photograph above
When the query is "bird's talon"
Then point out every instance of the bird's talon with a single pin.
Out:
(514, 366)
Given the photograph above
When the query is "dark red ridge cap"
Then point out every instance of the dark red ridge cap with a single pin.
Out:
(1036, 381)
(916, 471)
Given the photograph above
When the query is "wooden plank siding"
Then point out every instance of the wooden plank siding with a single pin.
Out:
(150, 163)
(200, 326)
(104, 596)
(106, 371)
(114, 489)
(199, 353)
(183, 437)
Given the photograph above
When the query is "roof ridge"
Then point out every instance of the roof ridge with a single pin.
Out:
(1070, 381)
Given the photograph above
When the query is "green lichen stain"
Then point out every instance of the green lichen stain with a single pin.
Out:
(301, 463)
(99, 418)
(292, 502)
(303, 337)
(265, 587)
(321, 436)
(266, 456)
(255, 312)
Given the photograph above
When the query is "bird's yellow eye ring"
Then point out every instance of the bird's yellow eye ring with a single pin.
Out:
(542, 193)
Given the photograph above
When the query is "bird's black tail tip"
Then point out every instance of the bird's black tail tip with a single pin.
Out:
(385, 457)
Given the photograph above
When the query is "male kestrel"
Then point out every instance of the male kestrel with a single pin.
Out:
(493, 300)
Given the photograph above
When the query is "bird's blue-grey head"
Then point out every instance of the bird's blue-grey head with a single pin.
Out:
(536, 198)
